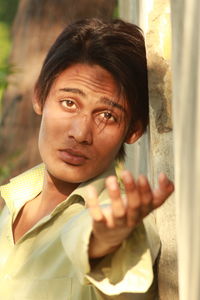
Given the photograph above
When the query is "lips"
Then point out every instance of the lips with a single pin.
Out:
(72, 157)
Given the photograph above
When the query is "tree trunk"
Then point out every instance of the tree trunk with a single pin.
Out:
(37, 24)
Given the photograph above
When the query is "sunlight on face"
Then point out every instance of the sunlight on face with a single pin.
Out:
(83, 124)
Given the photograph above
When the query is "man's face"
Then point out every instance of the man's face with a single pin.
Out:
(83, 125)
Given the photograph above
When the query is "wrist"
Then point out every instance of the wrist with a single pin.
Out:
(98, 249)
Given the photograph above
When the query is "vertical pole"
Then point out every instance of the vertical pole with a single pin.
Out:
(136, 154)
(186, 108)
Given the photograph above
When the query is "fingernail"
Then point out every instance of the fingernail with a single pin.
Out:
(164, 178)
(111, 182)
(127, 177)
(142, 180)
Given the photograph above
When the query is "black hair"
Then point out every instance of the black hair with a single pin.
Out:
(118, 47)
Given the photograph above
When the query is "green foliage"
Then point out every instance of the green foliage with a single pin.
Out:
(8, 10)
(116, 11)
(4, 173)
(7, 13)
(5, 42)
(4, 72)
(10, 165)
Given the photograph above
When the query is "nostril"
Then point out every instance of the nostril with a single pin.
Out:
(81, 129)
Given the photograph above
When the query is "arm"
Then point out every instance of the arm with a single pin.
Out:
(111, 226)
(126, 265)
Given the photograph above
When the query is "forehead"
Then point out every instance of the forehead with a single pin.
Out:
(92, 72)
(91, 78)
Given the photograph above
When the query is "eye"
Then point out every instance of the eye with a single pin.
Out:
(107, 116)
(67, 103)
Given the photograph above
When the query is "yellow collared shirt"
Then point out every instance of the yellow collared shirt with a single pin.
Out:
(50, 262)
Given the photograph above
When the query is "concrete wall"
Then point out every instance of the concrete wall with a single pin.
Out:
(154, 154)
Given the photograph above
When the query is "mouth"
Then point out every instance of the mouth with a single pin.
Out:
(72, 157)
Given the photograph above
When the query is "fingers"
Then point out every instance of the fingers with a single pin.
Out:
(102, 217)
(145, 195)
(113, 215)
(164, 190)
(141, 200)
(118, 207)
(93, 205)
(133, 199)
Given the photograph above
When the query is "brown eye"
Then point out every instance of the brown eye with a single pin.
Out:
(68, 103)
(108, 116)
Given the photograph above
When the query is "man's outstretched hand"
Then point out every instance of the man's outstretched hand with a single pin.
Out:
(113, 224)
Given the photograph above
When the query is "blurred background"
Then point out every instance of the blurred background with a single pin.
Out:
(7, 13)
(27, 30)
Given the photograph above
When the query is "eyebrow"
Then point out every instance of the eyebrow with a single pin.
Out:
(112, 103)
(73, 90)
(102, 99)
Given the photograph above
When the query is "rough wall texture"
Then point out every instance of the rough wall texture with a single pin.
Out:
(161, 139)
(154, 17)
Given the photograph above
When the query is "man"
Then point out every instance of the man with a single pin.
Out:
(70, 230)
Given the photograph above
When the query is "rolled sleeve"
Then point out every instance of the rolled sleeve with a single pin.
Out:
(127, 270)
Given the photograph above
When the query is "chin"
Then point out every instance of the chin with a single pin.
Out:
(71, 174)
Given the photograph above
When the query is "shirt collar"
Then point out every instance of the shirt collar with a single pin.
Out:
(23, 187)
(29, 184)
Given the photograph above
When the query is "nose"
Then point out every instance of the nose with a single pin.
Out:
(81, 129)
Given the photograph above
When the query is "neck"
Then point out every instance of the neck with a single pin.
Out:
(55, 191)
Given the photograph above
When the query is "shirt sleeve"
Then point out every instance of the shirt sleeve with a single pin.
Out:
(4, 213)
(128, 270)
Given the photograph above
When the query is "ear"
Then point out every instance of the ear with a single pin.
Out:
(37, 106)
(135, 134)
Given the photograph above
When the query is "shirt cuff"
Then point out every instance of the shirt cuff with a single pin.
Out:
(128, 270)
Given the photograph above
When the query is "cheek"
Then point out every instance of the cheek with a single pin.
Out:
(109, 145)
(42, 138)
(44, 131)
(48, 134)
(50, 126)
